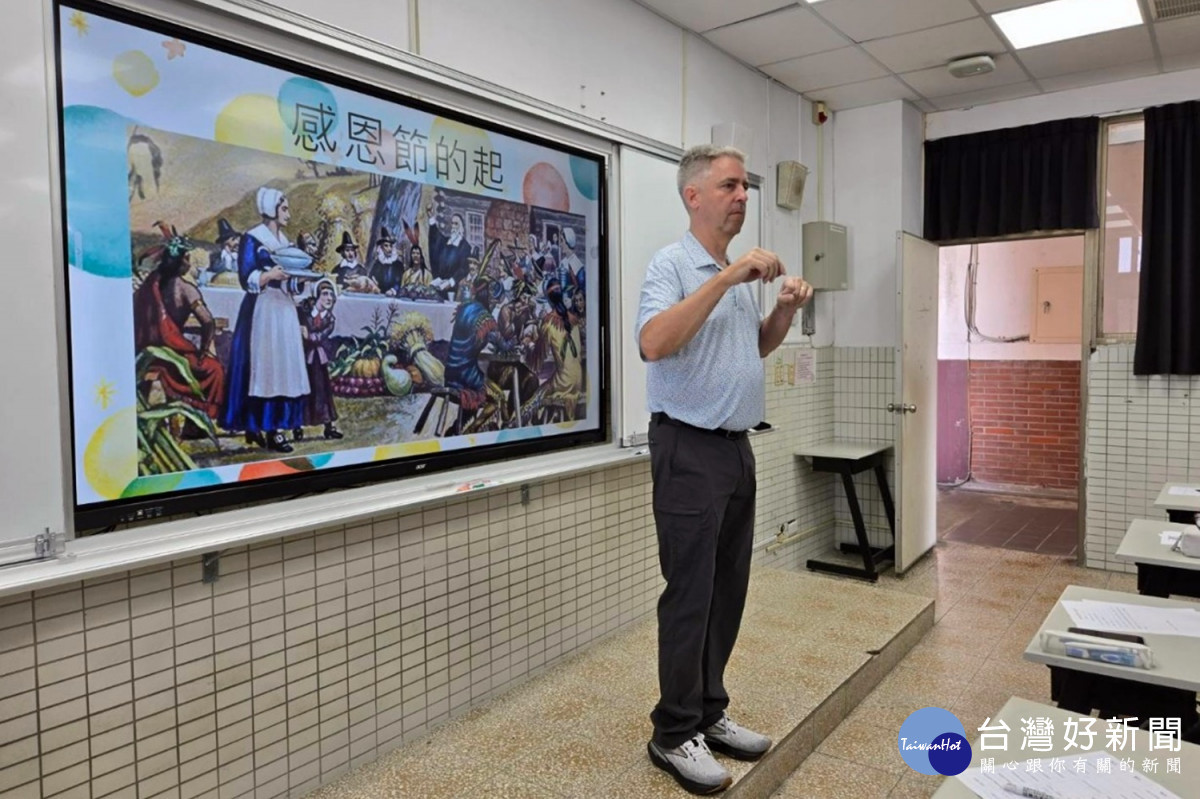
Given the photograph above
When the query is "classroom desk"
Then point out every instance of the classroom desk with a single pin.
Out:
(1161, 570)
(848, 458)
(1180, 508)
(1167, 690)
(1015, 709)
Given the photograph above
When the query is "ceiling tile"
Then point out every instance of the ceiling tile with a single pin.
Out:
(1178, 36)
(1095, 77)
(835, 68)
(789, 33)
(938, 81)
(1101, 50)
(997, 95)
(863, 20)
(704, 15)
(935, 46)
(869, 92)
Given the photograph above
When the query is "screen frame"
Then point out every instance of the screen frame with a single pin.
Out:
(106, 515)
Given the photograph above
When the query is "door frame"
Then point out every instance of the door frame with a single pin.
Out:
(1089, 335)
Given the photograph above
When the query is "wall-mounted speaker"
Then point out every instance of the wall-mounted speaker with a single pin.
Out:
(789, 184)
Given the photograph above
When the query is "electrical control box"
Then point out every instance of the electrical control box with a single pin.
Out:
(825, 255)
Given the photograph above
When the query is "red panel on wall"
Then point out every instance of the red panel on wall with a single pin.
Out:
(954, 430)
(1025, 422)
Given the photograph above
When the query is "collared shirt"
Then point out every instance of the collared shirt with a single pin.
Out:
(716, 379)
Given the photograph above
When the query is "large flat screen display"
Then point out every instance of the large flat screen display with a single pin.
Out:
(281, 281)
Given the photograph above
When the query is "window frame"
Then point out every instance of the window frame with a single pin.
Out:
(1099, 334)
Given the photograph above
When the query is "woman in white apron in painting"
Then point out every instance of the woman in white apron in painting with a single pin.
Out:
(268, 378)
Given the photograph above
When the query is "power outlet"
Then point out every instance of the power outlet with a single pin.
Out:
(789, 527)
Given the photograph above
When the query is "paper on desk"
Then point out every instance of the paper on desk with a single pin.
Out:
(1067, 783)
(1169, 537)
(1118, 617)
(1184, 491)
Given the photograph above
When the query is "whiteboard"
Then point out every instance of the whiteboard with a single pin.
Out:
(653, 216)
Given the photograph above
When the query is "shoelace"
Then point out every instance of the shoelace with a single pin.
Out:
(693, 747)
(728, 725)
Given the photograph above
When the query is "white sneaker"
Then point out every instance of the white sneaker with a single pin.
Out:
(692, 766)
(730, 738)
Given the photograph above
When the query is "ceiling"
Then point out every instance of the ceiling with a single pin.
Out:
(851, 53)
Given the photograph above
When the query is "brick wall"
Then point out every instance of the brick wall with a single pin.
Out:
(1025, 422)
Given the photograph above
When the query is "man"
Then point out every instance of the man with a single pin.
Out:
(699, 329)
(162, 307)
(474, 329)
(449, 256)
(388, 266)
(226, 261)
(352, 275)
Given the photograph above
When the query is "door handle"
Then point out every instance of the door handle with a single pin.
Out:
(893, 407)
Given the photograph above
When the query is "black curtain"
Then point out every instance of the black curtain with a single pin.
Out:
(1015, 180)
(1168, 329)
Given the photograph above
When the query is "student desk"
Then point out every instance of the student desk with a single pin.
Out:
(848, 458)
(1161, 570)
(1180, 508)
(1168, 690)
(1015, 709)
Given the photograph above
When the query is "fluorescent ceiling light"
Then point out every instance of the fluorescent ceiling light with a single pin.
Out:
(1065, 19)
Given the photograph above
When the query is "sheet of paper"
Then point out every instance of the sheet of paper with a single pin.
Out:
(1066, 781)
(1184, 491)
(1118, 617)
(806, 367)
(1169, 537)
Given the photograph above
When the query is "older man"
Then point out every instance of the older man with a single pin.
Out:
(700, 331)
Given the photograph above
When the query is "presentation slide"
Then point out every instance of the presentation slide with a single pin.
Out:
(280, 282)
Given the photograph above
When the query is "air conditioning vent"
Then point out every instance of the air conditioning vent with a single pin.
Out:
(1173, 9)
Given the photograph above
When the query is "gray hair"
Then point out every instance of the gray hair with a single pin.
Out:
(697, 161)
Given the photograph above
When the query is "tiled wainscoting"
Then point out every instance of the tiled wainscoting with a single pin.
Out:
(864, 383)
(1141, 433)
(321, 651)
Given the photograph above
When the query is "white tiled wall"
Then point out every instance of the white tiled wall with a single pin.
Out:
(316, 653)
(1141, 432)
(863, 385)
(787, 488)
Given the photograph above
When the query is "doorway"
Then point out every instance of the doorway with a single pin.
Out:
(1009, 391)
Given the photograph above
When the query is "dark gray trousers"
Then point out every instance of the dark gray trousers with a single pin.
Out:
(704, 489)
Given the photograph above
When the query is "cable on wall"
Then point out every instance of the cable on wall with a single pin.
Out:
(972, 285)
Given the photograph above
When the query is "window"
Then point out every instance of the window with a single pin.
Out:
(1125, 261)
(1121, 236)
(475, 230)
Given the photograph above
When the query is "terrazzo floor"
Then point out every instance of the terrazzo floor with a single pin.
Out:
(580, 729)
(988, 604)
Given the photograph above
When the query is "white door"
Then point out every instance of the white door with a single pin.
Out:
(916, 400)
